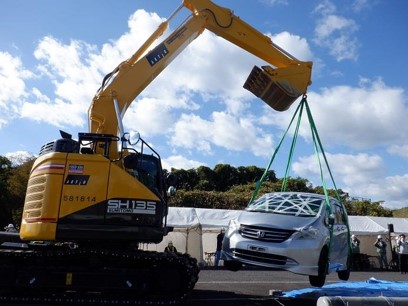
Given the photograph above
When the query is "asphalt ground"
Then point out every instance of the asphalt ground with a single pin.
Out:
(256, 287)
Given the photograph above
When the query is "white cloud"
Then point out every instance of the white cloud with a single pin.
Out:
(180, 162)
(336, 33)
(18, 157)
(360, 5)
(350, 170)
(399, 150)
(59, 113)
(64, 65)
(325, 8)
(275, 2)
(76, 69)
(357, 117)
(13, 87)
(360, 175)
(361, 117)
(149, 116)
(294, 44)
(222, 130)
(192, 132)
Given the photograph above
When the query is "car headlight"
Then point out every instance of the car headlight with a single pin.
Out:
(233, 226)
(305, 233)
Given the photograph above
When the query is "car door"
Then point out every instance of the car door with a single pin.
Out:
(340, 243)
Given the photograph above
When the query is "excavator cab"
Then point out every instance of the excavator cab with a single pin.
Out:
(145, 168)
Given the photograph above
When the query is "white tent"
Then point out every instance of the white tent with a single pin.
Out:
(364, 225)
(196, 229)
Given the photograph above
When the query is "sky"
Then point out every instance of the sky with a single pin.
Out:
(54, 55)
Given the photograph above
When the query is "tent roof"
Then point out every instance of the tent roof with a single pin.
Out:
(400, 224)
(182, 217)
(216, 217)
(364, 225)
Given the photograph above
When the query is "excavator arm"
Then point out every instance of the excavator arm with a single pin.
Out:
(279, 86)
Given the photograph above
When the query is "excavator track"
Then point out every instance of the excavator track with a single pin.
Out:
(94, 277)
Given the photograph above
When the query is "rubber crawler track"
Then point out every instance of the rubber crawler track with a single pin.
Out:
(95, 277)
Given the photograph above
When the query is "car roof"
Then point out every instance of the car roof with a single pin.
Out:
(292, 203)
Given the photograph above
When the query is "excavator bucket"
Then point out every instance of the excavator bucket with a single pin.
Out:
(279, 87)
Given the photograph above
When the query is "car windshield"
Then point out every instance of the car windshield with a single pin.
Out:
(304, 205)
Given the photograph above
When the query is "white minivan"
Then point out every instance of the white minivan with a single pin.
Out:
(304, 233)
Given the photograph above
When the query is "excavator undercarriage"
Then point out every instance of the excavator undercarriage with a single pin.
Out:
(71, 275)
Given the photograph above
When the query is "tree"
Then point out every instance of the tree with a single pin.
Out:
(367, 208)
(16, 188)
(227, 187)
(206, 178)
(344, 196)
(5, 209)
(186, 179)
(252, 174)
(226, 177)
(298, 184)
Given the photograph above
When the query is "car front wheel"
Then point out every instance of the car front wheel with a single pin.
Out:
(344, 275)
(232, 265)
(320, 279)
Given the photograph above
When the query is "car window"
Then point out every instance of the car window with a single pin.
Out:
(337, 212)
(304, 205)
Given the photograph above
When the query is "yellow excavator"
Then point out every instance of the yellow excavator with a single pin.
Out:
(93, 200)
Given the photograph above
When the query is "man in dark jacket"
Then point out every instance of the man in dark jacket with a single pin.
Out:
(220, 237)
(170, 248)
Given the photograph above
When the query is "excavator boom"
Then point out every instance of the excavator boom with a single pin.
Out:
(279, 86)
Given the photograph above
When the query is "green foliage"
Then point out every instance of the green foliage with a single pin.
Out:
(232, 189)
(237, 197)
(208, 199)
(367, 208)
(13, 184)
(221, 178)
(5, 207)
(17, 186)
(225, 177)
(401, 213)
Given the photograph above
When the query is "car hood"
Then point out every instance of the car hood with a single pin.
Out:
(275, 220)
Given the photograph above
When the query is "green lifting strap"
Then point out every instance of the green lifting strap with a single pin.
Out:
(259, 183)
(316, 140)
(318, 148)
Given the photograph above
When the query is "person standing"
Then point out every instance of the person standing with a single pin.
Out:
(402, 254)
(355, 253)
(170, 248)
(220, 237)
(381, 252)
(10, 228)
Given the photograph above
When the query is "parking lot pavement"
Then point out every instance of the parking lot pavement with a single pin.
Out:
(255, 287)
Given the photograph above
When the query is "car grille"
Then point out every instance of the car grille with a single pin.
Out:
(260, 257)
(265, 233)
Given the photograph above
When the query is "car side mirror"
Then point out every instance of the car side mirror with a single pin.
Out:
(171, 192)
(331, 219)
